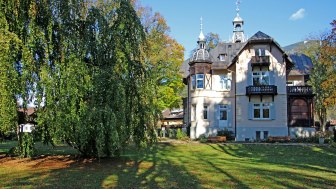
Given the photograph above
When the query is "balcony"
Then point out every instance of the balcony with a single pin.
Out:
(260, 61)
(300, 91)
(261, 90)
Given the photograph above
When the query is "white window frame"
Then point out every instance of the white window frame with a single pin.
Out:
(261, 107)
(205, 111)
(222, 57)
(199, 78)
(225, 82)
(193, 82)
(259, 75)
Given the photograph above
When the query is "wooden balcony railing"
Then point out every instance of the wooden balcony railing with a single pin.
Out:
(262, 90)
(299, 90)
(260, 61)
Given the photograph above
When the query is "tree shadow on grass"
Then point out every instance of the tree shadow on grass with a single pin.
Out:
(288, 166)
(135, 169)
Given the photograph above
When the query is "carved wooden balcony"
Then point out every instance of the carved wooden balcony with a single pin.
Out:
(300, 91)
(262, 90)
(260, 61)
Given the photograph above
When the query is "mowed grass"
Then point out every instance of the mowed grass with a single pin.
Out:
(189, 165)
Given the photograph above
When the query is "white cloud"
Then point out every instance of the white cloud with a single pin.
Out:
(298, 14)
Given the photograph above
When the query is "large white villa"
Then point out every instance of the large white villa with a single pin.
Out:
(248, 86)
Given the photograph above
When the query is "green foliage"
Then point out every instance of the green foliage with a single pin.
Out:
(26, 147)
(164, 56)
(310, 139)
(88, 64)
(180, 135)
(10, 86)
(202, 138)
(172, 133)
(322, 77)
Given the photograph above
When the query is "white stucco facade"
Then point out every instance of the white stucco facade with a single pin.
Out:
(221, 101)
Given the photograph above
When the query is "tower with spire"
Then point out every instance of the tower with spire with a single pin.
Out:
(201, 54)
(238, 22)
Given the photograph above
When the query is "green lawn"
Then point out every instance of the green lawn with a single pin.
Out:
(180, 166)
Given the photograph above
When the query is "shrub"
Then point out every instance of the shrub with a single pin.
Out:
(171, 133)
(229, 134)
(202, 138)
(311, 139)
(180, 135)
(333, 144)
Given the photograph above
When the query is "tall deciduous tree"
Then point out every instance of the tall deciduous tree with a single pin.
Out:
(323, 74)
(165, 55)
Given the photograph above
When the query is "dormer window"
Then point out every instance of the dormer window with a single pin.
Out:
(260, 52)
(222, 57)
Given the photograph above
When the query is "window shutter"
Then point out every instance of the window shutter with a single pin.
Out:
(250, 111)
(272, 109)
(230, 118)
(271, 76)
(256, 52)
(249, 79)
(217, 112)
(229, 80)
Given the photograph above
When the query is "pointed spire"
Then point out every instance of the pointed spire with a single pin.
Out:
(238, 22)
(201, 36)
(237, 6)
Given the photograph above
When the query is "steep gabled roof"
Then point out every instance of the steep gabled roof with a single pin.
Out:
(230, 49)
(261, 37)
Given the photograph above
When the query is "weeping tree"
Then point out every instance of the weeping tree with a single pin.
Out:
(84, 63)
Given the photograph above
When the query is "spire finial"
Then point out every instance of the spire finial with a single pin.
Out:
(237, 6)
(201, 36)
(201, 24)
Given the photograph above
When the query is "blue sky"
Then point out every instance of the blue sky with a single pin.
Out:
(272, 17)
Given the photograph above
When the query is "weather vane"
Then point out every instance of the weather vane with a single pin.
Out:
(237, 4)
(201, 24)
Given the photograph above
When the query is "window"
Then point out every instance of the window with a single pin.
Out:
(223, 113)
(261, 110)
(260, 52)
(193, 81)
(225, 82)
(205, 112)
(200, 81)
(238, 27)
(222, 57)
(260, 78)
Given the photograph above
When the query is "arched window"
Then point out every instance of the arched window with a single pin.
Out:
(238, 27)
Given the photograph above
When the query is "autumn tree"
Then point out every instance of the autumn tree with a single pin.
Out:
(211, 42)
(322, 77)
(165, 56)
